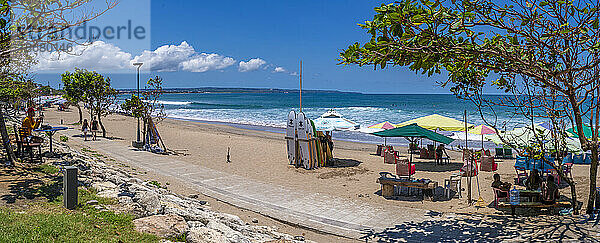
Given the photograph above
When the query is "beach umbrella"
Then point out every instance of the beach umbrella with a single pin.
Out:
(333, 121)
(380, 127)
(383, 125)
(522, 136)
(437, 122)
(414, 131)
(587, 131)
(482, 130)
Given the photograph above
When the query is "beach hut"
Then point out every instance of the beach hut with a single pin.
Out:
(333, 121)
(437, 122)
(414, 131)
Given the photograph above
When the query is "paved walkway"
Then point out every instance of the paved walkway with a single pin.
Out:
(344, 217)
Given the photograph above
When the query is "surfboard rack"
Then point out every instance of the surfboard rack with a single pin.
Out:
(307, 147)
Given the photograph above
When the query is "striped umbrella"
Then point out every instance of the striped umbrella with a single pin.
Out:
(482, 130)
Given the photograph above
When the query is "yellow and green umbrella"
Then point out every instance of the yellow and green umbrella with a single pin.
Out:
(437, 122)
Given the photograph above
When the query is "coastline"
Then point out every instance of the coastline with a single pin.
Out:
(261, 155)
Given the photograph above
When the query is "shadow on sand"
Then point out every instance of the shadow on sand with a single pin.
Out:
(490, 228)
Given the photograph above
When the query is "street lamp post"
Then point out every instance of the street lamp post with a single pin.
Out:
(138, 65)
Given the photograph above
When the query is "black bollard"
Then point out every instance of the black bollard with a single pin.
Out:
(70, 187)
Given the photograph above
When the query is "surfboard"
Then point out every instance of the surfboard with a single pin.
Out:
(317, 145)
(290, 137)
(312, 145)
(303, 147)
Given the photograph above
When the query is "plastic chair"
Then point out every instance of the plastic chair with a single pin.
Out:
(499, 153)
(453, 183)
(568, 159)
(578, 158)
(405, 168)
(508, 153)
(521, 174)
(567, 169)
(497, 197)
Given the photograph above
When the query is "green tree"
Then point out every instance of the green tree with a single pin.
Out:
(92, 89)
(550, 46)
(100, 98)
(74, 87)
(147, 106)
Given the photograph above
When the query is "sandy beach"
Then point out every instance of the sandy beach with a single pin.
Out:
(262, 156)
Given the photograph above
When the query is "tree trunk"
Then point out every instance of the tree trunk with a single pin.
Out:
(101, 126)
(6, 140)
(573, 197)
(593, 174)
(80, 114)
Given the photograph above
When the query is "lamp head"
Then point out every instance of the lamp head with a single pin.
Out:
(138, 64)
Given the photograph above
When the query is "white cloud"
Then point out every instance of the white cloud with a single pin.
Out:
(279, 70)
(205, 62)
(169, 58)
(251, 65)
(97, 55)
(294, 73)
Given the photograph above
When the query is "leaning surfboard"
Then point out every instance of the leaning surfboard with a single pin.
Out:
(290, 137)
(303, 148)
(317, 144)
(313, 144)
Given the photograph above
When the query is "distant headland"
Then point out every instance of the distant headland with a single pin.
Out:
(236, 90)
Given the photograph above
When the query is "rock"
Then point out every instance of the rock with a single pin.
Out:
(113, 193)
(98, 207)
(91, 202)
(103, 186)
(150, 201)
(198, 235)
(165, 226)
(299, 238)
(194, 196)
(255, 220)
(196, 224)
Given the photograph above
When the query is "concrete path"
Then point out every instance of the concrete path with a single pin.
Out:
(325, 213)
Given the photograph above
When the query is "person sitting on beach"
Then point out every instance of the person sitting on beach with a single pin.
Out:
(549, 191)
(94, 128)
(30, 123)
(498, 184)
(440, 151)
(534, 181)
(84, 128)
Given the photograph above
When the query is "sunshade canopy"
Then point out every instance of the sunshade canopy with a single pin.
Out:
(332, 120)
(587, 131)
(482, 130)
(437, 122)
(413, 130)
(383, 125)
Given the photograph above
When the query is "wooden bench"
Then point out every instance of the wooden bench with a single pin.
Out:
(532, 205)
(388, 183)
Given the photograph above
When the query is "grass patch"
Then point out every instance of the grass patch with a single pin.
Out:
(64, 139)
(87, 150)
(155, 183)
(50, 222)
(46, 169)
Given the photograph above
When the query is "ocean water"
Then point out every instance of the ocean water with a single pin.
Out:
(268, 111)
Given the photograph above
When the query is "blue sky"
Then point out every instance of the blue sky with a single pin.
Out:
(219, 37)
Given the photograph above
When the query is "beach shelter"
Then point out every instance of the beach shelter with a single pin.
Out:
(587, 131)
(414, 131)
(482, 130)
(333, 121)
(522, 136)
(437, 122)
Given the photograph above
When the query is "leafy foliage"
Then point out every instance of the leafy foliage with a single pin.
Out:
(148, 105)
